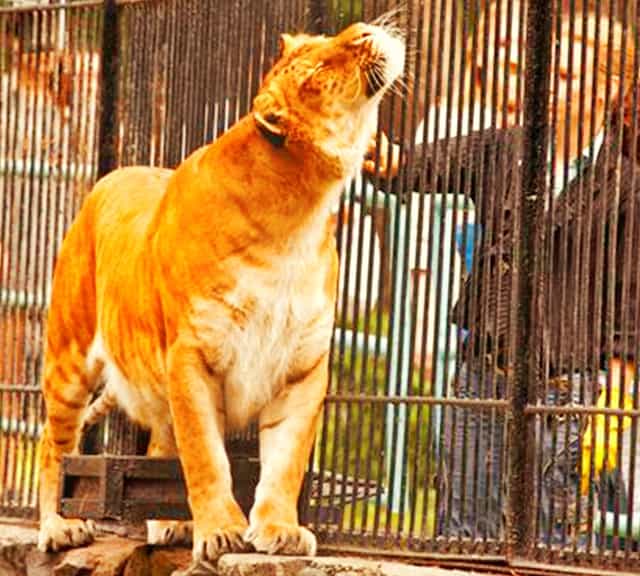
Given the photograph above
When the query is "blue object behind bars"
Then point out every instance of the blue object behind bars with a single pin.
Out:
(402, 366)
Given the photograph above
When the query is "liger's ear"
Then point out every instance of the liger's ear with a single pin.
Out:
(288, 42)
(269, 119)
(285, 44)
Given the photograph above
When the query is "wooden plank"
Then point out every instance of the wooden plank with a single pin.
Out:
(135, 488)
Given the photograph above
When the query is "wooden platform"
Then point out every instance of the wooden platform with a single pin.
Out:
(131, 489)
(136, 488)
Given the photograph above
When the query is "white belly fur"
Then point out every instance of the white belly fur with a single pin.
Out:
(140, 403)
(287, 330)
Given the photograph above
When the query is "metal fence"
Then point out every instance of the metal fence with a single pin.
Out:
(483, 396)
(49, 66)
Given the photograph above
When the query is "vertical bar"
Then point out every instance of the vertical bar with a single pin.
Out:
(318, 23)
(506, 194)
(539, 20)
(108, 143)
(108, 134)
(38, 280)
(621, 219)
(171, 55)
(318, 17)
(315, 24)
(6, 24)
(414, 474)
(28, 209)
(398, 379)
(633, 237)
(189, 86)
(212, 73)
(16, 181)
(137, 48)
(430, 47)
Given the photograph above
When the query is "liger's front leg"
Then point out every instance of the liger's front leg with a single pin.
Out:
(197, 408)
(287, 430)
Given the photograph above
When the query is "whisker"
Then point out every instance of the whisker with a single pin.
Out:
(391, 16)
(399, 91)
(390, 21)
(401, 84)
(409, 76)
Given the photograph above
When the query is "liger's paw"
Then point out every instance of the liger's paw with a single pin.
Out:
(57, 533)
(277, 538)
(169, 532)
(218, 542)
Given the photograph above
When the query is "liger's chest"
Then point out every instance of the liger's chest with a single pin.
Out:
(274, 323)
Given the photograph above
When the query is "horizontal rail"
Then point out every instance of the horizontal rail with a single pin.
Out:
(19, 167)
(491, 563)
(488, 404)
(573, 409)
(543, 568)
(22, 299)
(13, 426)
(358, 339)
(19, 388)
(51, 7)
(9, 513)
(57, 7)
(418, 557)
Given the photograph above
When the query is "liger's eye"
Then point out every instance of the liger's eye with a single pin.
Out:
(362, 38)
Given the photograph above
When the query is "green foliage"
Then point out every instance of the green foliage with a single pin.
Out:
(344, 12)
(353, 441)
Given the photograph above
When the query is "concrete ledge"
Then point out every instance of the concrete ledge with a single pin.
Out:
(261, 565)
(114, 555)
(108, 556)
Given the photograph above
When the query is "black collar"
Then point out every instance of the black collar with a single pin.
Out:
(275, 139)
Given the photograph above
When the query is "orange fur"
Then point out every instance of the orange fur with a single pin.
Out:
(204, 296)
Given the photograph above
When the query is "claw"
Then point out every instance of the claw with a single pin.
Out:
(220, 542)
(57, 533)
(281, 538)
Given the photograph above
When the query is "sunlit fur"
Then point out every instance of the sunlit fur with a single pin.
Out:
(204, 296)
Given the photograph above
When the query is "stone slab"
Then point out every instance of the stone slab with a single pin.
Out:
(262, 565)
(108, 556)
(117, 556)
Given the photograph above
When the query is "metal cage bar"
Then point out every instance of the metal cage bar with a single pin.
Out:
(483, 395)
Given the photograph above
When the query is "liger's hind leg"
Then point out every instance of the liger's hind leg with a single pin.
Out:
(67, 390)
(166, 532)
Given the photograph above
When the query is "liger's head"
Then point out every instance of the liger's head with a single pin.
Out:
(325, 90)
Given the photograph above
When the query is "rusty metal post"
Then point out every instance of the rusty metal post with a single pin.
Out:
(532, 198)
(319, 16)
(108, 143)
